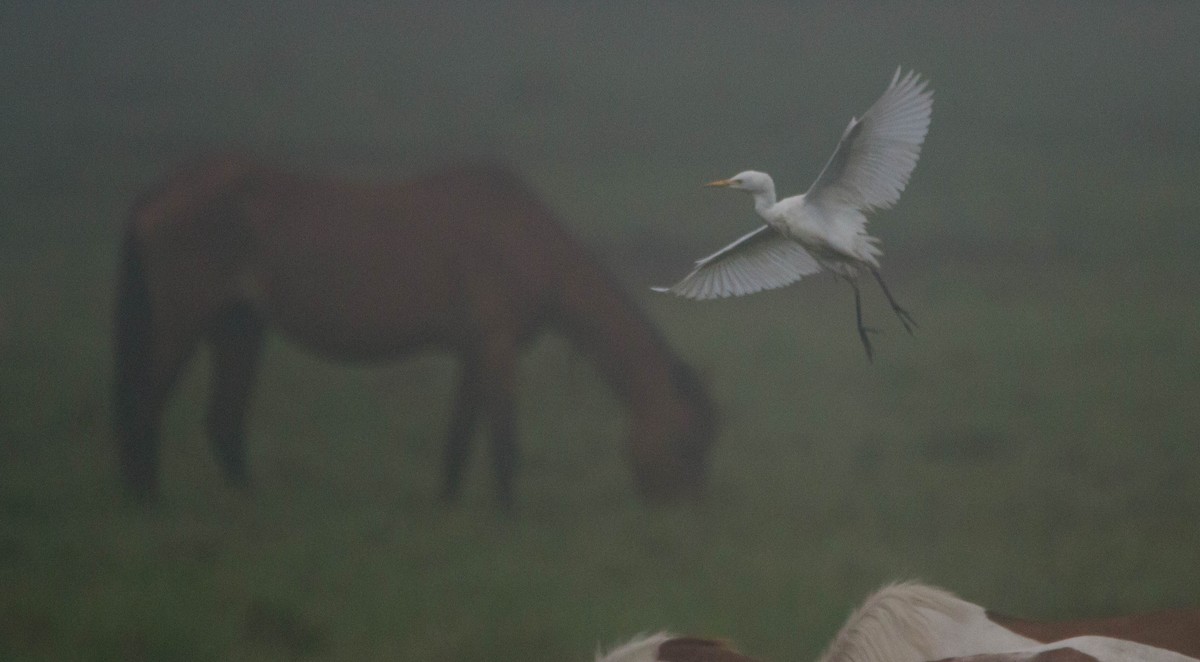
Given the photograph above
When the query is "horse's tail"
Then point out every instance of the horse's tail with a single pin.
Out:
(132, 345)
(132, 335)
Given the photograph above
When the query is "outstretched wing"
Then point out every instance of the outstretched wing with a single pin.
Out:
(878, 152)
(760, 260)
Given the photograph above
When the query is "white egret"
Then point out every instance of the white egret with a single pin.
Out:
(825, 228)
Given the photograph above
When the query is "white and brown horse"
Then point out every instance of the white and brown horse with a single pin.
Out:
(665, 647)
(466, 260)
(911, 622)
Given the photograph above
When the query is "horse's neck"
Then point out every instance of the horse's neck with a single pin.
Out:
(640, 649)
(915, 623)
(603, 323)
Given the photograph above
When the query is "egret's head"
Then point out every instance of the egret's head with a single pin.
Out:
(751, 181)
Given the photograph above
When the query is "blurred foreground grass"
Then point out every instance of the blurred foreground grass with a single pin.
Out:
(1033, 447)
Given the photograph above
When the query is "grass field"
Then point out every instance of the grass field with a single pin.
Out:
(1033, 447)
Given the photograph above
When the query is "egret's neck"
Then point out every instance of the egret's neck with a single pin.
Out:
(764, 198)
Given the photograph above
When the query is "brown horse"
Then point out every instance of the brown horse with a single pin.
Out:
(467, 260)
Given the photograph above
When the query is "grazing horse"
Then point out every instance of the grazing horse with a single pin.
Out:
(466, 260)
(911, 622)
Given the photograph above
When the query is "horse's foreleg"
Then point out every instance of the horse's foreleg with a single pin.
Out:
(236, 339)
(463, 420)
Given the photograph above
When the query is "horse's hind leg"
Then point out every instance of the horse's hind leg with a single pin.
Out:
(236, 339)
(463, 420)
(150, 349)
(143, 393)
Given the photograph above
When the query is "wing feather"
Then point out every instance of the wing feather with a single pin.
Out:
(877, 153)
(759, 260)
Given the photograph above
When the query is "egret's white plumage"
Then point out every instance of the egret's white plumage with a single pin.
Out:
(825, 228)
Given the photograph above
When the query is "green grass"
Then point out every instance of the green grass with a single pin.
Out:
(1033, 447)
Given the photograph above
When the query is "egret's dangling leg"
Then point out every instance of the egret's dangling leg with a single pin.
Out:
(862, 330)
(905, 318)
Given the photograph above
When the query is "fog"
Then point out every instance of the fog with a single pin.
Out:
(1032, 445)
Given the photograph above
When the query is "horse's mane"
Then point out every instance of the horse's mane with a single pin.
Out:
(890, 626)
(665, 647)
(642, 648)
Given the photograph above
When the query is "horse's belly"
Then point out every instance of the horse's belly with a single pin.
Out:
(363, 322)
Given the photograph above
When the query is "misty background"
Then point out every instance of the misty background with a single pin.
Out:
(1032, 448)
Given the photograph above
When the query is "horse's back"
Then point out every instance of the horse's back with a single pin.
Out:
(350, 269)
(1174, 630)
(182, 198)
(455, 250)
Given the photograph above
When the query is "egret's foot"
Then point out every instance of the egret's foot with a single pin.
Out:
(906, 319)
(864, 335)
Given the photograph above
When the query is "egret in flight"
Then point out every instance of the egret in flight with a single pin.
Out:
(826, 227)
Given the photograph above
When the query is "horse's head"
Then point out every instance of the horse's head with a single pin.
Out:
(670, 439)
